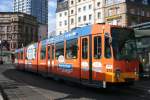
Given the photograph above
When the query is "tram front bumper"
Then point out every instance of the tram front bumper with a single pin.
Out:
(121, 77)
(126, 77)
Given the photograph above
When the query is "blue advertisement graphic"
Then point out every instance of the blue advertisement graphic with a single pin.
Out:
(65, 67)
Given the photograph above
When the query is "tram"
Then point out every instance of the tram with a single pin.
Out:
(94, 55)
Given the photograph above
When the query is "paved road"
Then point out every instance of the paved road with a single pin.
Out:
(20, 85)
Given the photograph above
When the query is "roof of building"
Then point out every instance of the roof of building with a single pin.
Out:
(15, 13)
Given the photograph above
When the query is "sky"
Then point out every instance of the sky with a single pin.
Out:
(7, 6)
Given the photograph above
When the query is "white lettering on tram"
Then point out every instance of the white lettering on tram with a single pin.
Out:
(97, 66)
(85, 66)
(109, 66)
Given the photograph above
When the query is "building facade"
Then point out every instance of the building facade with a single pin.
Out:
(127, 12)
(77, 13)
(37, 8)
(18, 29)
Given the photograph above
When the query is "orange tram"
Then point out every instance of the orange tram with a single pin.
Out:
(95, 55)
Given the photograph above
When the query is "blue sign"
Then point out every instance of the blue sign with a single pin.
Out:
(65, 67)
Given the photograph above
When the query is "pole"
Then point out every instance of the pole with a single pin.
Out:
(1, 52)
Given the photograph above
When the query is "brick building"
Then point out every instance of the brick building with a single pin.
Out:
(17, 29)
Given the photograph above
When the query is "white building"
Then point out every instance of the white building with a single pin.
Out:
(77, 13)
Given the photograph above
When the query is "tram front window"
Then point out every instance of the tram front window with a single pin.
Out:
(123, 43)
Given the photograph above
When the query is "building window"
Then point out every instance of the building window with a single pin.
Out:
(132, 11)
(110, 12)
(98, 15)
(8, 28)
(117, 10)
(72, 2)
(72, 20)
(65, 13)
(84, 8)
(65, 22)
(60, 23)
(98, 4)
(79, 9)
(72, 11)
(90, 17)
(142, 13)
(118, 22)
(90, 6)
(108, 2)
(60, 15)
(148, 14)
(84, 18)
(79, 19)
(117, 1)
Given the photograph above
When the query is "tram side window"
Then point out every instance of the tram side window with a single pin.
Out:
(53, 52)
(84, 48)
(107, 48)
(31, 54)
(49, 52)
(59, 50)
(72, 49)
(97, 47)
(16, 55)
(21, 55)
(43, 52)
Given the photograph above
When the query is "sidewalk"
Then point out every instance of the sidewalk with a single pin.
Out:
(12, 90)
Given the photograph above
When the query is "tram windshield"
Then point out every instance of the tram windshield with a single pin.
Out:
(124, 44)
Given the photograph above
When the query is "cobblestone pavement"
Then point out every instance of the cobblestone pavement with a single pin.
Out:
(19, 85)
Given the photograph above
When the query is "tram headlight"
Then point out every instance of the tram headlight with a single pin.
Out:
(109, 67)
(136, 72)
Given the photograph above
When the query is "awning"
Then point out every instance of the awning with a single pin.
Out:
(142, 33)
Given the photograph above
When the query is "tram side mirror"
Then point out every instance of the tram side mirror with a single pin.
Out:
(108, 36)
(110, 40)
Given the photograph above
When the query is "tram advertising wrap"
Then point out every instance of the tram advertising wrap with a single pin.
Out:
(96, 55)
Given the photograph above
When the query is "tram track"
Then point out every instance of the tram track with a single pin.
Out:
(27, 85)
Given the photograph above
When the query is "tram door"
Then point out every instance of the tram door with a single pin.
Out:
(86, 58)
(50, 57)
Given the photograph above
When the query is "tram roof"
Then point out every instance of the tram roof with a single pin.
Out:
(70, 35)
